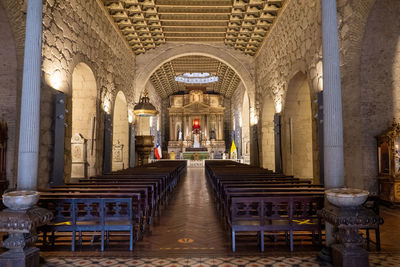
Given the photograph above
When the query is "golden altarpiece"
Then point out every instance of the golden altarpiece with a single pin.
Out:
(196, 121)
(389, 164)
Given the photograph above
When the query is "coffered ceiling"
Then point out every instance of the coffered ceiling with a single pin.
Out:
(165, 84)
(242, 24)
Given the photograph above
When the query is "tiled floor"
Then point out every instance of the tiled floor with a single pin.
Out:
(375, 260)
(190, 233)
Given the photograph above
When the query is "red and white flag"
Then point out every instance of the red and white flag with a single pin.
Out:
(157, 151)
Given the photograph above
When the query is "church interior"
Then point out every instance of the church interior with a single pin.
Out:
(200, 133)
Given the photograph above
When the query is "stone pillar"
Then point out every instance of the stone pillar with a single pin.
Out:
(220, 127)
(174, 128)
(333, 125)
(28, 153)
(207, 135)
(171, 129)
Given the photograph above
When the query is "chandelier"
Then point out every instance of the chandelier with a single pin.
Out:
(144, 107)
(196, 78)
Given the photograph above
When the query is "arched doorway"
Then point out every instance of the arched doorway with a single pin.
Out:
(84, 107)
(8, 94)
(246, 128)
(120, 137)
(267, 131)
(297, 145)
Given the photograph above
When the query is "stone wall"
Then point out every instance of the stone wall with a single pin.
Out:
(8, 92)
(379, 82)
(74, 31)
(293, 45)
(352, 18)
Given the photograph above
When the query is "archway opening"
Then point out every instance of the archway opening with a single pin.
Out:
(267, 132)
(297, 145)
(120, 151)
(84, 106)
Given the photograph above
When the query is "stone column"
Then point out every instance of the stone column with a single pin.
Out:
(333, 125)
(207, 125)
(28, 153)
(174, 128)
(170, 128)
(333, 128)
(220, 127)
(216, 127)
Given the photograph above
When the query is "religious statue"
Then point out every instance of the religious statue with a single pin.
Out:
(179, 133)
(212, 135)
(196, 142)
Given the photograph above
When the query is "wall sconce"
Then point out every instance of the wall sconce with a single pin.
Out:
(130, 116)
(107, 105)
(253, 117)
(278, 106)
(55, 79)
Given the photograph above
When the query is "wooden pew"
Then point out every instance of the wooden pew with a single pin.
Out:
(89, 214)
(242, 193)
(275, 214)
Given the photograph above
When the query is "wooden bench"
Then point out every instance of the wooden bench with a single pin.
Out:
(274, 214)
(252, 199)
(89, 214)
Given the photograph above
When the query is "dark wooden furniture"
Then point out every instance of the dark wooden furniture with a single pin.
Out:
(273, 214)
(89, 214)
(146, 188)
(389, 165)
(252, 199)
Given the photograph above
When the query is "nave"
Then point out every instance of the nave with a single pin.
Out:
(190, 233)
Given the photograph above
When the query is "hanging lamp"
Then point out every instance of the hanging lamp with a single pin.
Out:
(144, 107)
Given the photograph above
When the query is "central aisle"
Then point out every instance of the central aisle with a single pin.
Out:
(189, 224)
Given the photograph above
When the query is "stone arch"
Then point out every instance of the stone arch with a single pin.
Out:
(84, 106)
(120, 152)
(296, 133)
(267, 133)
(246, 128)
(152, 60)
(379, 84)
(8, 92)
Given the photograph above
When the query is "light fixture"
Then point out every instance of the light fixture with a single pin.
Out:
(107, 105)
(196, 78)
(130, 117)
(144, 107)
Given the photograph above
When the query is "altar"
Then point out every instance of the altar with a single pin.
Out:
(196, 123)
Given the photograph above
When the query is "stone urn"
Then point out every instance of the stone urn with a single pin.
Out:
(20, 200)
(346, 197)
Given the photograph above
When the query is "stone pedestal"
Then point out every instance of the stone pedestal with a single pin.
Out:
(347, 250)
(21, 228)
(144, 145)
(353, 256)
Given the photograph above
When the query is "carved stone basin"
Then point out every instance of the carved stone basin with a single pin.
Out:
(346, 197)
(20, 200)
